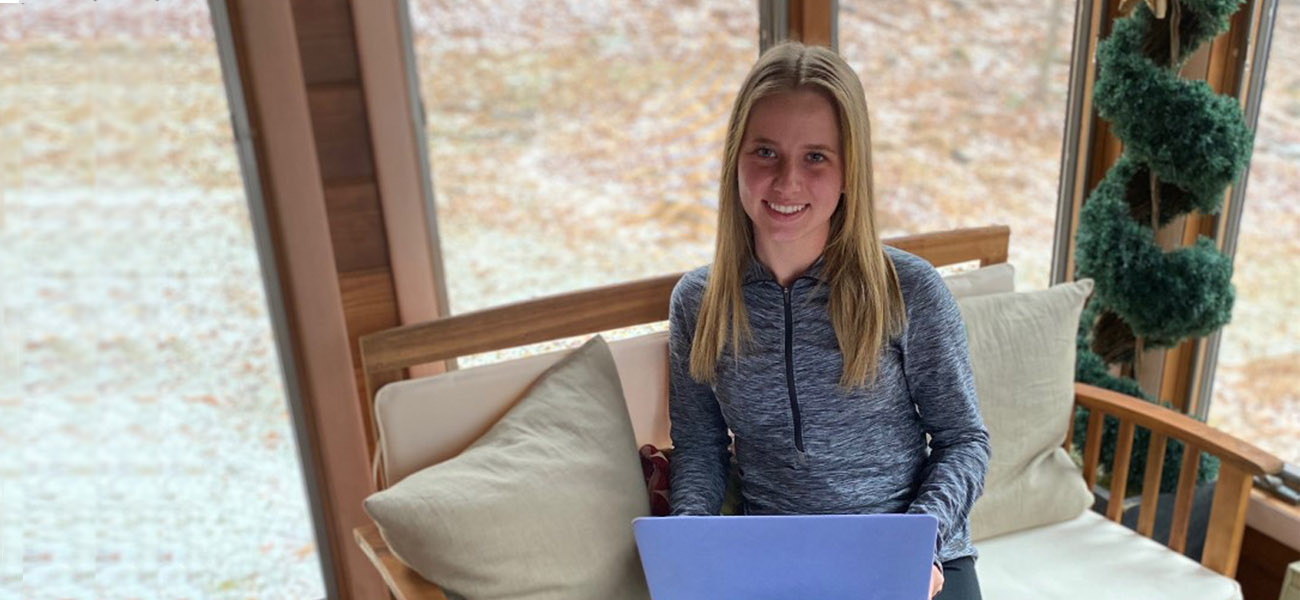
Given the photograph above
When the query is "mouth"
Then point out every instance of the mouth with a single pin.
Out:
(785, 211)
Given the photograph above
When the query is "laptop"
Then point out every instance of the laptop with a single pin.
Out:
(827, 557)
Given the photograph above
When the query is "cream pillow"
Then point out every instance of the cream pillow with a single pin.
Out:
(993, 279)
(541, 506)
(1022, 354)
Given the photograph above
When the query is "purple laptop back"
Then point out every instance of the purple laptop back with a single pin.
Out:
(828, 557)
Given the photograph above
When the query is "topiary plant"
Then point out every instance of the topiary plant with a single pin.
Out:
(1183, 145)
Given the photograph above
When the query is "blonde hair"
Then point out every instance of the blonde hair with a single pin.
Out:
(865, 304)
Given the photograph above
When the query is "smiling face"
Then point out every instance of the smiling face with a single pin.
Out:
(790, 174)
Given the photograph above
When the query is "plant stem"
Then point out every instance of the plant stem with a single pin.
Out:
(1175, 15)
(1155, 203)
(1137, 357)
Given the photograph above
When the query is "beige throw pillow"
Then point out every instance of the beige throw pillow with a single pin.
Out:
(993, 279)
(1022, 354)
(541, 506)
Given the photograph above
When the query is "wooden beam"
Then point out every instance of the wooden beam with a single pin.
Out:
(811, 21)
(409, 220)
(1224, 58)
(275, 93)
(1092, 131)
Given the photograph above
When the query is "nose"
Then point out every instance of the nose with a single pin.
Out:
(788, 182)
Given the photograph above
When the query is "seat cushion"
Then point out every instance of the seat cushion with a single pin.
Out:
(1091, 558)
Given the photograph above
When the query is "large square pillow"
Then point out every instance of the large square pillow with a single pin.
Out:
(541, 506)
(1022, 355)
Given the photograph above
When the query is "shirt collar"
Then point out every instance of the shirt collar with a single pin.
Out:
(757, 271)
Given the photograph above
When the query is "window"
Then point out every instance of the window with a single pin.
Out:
(1256, 393)
(147, 448)
(575, 145)
(968, 104)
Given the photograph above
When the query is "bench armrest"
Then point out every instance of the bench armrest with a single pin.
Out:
(404, 583)
(1239, 462)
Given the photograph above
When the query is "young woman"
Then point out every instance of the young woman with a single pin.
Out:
(828, 356)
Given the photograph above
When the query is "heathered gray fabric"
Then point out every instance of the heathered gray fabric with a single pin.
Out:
(864, 451)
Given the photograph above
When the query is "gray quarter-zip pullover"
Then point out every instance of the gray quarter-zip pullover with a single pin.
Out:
(805, 447)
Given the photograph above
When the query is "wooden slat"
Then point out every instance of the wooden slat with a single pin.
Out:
(1119, 472)
(1183, 501)
(605, 308)
(368, 301)
(1227, 521)
(404, 583)
(338, 116)
(1092, 448)
(356, 226)
(1151, 483)
(1182, 427)
(324, 29)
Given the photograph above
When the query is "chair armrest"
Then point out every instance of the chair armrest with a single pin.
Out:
(1176, 425)
(404, 583)
(1239, 461)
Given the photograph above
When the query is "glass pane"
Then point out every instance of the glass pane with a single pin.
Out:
(1257, 381)
(968, 104)
(576, 144)
(146, 445)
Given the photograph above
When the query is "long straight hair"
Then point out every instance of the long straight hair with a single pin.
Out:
(865, 304)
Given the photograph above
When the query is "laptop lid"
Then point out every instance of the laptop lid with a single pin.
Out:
(829, 557)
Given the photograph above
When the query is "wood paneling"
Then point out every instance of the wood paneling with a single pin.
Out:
(1263, 565)
(368, 301)
(338, 115)
(356, 226)
(370, 306)
(325, 41)
(809, 21)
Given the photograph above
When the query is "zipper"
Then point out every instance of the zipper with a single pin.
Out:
(789, 372)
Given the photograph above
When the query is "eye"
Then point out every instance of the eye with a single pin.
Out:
(816, 157)
(765, 152)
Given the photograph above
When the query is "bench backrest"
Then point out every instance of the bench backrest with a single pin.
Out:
(423, 421)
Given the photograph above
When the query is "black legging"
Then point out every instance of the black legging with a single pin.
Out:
(959, 580)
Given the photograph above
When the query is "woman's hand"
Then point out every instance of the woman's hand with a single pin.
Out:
(936, 580)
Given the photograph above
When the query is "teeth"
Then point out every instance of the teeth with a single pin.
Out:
(787, 209)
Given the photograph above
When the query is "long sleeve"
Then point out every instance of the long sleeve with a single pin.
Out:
(940, 383)
(700, 457)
